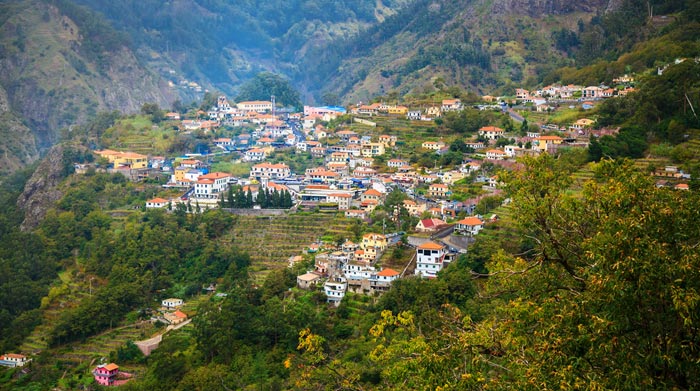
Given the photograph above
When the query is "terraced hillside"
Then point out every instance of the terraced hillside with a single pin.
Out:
(66, 294)
(271, 240)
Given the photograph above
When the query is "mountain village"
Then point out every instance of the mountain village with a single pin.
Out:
(350, 181)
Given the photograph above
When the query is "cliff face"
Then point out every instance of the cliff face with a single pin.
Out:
(41, 190)
(18, 146)
(50, 81)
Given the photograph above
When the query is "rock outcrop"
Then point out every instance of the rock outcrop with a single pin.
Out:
(42, 189)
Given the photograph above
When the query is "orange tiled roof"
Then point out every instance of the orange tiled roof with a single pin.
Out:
(214, 175)
(388, 273)
(111, 367)
(471, 221)
(430, 246)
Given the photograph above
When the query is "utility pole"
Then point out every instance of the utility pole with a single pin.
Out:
(273, 106)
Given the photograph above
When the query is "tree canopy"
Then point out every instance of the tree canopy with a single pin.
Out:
(266, 84)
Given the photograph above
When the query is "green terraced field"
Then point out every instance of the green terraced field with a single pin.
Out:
(271, 240)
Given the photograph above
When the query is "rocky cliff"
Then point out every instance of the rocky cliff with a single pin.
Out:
(41, 190)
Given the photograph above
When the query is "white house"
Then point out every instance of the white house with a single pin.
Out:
(469, 226)
(256, 105)
(335, 289)
(433, 145)
(211, 185)
(511, 150)
(255, 155)
(358, 271)
(270, 171)
(491, 132)
(474, 144)
(13, 360)
(382, 280)
(396, 163)
(387, 275)
(342, 199)
(451, 105)
(157, 203)
(172, 303)
(430, 257)
(495, 154)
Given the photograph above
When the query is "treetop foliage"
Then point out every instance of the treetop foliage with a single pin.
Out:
(266, 84)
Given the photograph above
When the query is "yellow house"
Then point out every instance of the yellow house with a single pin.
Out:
(372, 149)
(544, 142)
(398, 110)
(450, 177)
(583, 123)
(374, 241)
(180, 172)
(124, 159)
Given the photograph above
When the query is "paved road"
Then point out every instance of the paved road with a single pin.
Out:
(515, 115)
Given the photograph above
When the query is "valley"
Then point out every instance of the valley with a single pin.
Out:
(481, 194)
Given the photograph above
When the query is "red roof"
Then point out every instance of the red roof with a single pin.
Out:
(430, 223)
(373, 192)
(158, 201)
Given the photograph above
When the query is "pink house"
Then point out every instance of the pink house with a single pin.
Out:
(106, 374)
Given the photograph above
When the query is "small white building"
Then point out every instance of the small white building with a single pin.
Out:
(469, 226)
(13, 360)
(172, 303)
(157, 203)
(358, 271)
(255, 155)
(495, 154)
(335, 289)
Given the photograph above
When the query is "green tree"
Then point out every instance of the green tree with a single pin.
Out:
(266, 84)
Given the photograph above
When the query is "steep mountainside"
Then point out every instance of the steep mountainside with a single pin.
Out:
(18, 146)
(56, 72)
(478, 44)
(220, 44)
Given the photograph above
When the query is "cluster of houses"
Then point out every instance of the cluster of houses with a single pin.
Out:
(350, 266)
(427, 114)
(348, 179)
(348, 269)
(170, 311)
